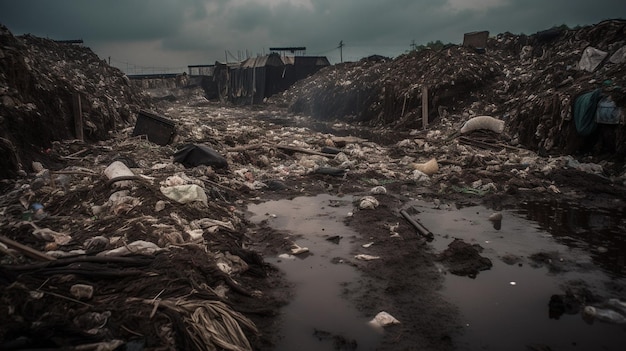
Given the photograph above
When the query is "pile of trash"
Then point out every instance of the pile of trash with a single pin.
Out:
(44, 85)
(530, 82)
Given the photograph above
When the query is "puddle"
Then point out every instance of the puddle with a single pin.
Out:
(318, 318)
(507, 307)
(504, 308)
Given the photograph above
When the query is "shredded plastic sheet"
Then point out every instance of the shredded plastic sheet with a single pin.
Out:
(591, 59)
(185, 193)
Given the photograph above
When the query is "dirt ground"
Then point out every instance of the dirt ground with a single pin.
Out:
(207, 260)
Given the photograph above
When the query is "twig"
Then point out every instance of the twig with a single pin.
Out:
(417, 225)
(66, 298)
(30, 252)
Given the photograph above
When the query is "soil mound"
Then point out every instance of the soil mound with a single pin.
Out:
(530, 82)
(39, 82)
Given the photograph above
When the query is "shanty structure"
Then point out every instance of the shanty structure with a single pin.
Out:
(257, 78)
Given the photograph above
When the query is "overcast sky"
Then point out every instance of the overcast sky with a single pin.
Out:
(139, 35)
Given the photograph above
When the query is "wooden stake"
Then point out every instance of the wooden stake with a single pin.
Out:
(424, 107)
(78, 116)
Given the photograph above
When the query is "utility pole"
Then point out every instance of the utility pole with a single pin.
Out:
(340, 47)
(413, 46)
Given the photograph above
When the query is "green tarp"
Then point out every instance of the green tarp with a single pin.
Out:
(584, 112)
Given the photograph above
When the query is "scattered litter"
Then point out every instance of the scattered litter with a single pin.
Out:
(365, 257)
(285, 256)
(368, 244)
(429, 168)
(185, 193)
(192, 155)
(368, 203)
(82, 291)
(139, 247)
(483, 122)
(378, 190)
(298, 250)
(383, 319)
(604, 315)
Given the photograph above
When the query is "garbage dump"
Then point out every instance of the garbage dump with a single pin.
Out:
(156, 252)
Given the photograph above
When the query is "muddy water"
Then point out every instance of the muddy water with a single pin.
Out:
(318, 317)
(507, 307)
(538, 251)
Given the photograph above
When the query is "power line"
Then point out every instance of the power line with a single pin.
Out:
(340, 47)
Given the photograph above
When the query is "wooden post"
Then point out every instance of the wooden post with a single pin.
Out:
(78, 116)
(424, 107)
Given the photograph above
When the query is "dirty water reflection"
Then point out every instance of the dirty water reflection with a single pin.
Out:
(507, 307)
(318, 318)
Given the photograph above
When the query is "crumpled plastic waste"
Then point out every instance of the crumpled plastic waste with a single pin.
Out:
(379, 190)
(82, 291)
(298, 250)
(604, 315)
(139, 247)
(618, 56)
(230, 264)
(365, 257)
(383, 319)
(591, 59)
(92, 322)
(483, 122)
(429, 168)
(185, 193)
(48, 234)
(368, 203)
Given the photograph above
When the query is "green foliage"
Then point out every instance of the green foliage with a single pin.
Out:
(432, 45)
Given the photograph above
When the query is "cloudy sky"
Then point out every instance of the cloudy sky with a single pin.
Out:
(143, 36)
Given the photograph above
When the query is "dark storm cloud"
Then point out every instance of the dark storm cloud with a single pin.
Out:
(190, 30)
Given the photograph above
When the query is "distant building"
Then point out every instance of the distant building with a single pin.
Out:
(257, 78)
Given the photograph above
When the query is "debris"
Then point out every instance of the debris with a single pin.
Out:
(158, 129)
(378, 190)
(591, 59)
(298, 250)
(429, 168)
(192, 155)
(365, 257)
(368, 203)
(483, 122)
(185, 193)
(139, 247)
(82, 291)
(32, 253)
(417, 225)
(495, 217)
(383, 319)
(119, 173)
(604, 315)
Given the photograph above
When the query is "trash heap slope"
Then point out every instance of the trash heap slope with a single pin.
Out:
(38, 80)
(528, 81)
